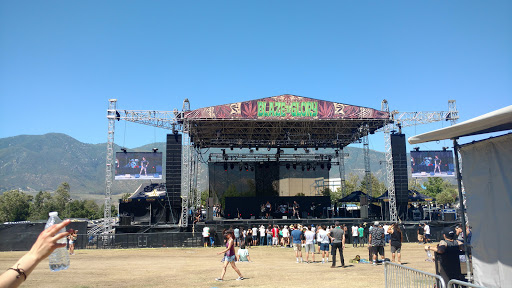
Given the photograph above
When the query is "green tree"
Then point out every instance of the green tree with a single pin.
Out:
(434, 186)
(377, 187)
(84, 209)
(60, 200)
(326, 192)
(125, 196)
(41, 206)
(230, 192)
(204, 197)
(14, 206)
(447, 196)
(351, 184)
(336, 195)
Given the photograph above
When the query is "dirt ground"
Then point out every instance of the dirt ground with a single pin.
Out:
(198, 267)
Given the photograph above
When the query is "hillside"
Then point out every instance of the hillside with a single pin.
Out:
(42, 162)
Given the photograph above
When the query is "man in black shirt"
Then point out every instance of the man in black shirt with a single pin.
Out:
(447, 253)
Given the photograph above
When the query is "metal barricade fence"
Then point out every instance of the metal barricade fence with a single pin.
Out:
(140, 240)
(401, 276)
(459, 284)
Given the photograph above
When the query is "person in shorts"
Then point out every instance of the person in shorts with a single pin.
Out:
(297, 243)
(229, 255)
(206, 236)
(324, 243)
(376, 242)
(310, 245)
(396, 237)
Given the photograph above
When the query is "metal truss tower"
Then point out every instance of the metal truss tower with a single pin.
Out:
(107, 217)
(406, 119)
(186, 169)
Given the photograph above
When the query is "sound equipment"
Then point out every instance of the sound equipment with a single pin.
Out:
(363, 200)
(398, 152)
(173, 176)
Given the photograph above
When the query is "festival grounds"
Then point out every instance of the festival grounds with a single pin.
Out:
(198, 267)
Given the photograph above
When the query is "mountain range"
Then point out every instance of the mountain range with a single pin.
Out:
(35, 163)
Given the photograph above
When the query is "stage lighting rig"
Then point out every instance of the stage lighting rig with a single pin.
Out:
(155, 149)
(123, 149)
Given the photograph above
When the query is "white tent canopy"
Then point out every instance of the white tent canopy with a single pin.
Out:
(486, 171)
(495, 121)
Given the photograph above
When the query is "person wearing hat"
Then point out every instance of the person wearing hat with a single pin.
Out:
(376, 242)
(447, 253)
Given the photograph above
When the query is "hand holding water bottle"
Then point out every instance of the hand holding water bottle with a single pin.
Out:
(45, 244)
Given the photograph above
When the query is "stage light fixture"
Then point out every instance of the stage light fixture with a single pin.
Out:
(444, 149)
(252, 168)
(240, 166)
(322, 166)
(308, 167)
(232, 166)
(246, 167)
(417, 149)
(329, 166)
(155, 149)
(123, 149)
(268, 148)
(288, 166)
(226, 167)
(294, 166)
(336, 151)
(295, 147)
(223, 151)
(302, 167)
(230, 146)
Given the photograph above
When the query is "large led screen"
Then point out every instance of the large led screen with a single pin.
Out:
(432, 164)
(138, 165)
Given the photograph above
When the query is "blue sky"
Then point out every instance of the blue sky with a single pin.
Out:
(60, 61)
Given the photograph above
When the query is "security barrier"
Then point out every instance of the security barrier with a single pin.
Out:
(402, 276)
(460, 284)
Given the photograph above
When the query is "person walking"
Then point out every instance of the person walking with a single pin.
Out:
(397, 238)
(426, 229)
(376, 241)
(297, 242)
(337, 236)
(229, 256)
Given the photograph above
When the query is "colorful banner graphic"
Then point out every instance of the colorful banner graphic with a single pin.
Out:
(286, 107)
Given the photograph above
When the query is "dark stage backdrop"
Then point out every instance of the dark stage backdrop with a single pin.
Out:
(264, 179)
(281, 206)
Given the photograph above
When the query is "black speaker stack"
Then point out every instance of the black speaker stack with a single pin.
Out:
(398, 151)
(173, 176)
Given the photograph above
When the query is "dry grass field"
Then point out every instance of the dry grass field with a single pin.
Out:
(198, 267)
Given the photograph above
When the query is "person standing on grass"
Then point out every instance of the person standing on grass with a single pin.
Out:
(324, 241)
(360, 230)
(297, 243)
(229, 255)
(426, 229)
(310, 246)
(396, 242)
(262, 235)
(275, 236)
(286, 236)
(376, 242)
(254, 236)
(387, 237)
(206, 236)
(355, 235)
(337, 236)
(237, 236)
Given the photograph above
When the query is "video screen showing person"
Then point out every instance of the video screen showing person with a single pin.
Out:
(138, 165)
(432, 164)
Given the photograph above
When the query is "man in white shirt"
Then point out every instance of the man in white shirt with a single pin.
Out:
(387, 237)
(426, 228)
(310, 246)
(323, 242)
(355, 235)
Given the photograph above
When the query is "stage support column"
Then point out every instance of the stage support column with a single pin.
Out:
(366, 148)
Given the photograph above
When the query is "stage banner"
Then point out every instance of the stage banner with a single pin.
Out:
(286, 107)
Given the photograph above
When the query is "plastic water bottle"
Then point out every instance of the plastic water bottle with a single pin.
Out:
(59, 259)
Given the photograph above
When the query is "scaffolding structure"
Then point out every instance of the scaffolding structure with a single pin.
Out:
(230, 133)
